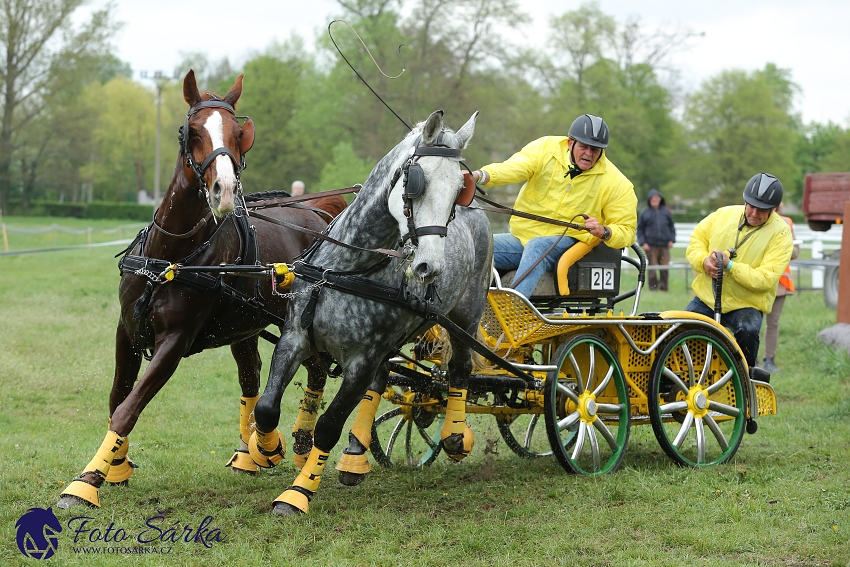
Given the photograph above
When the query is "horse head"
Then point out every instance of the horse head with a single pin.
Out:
(430, 183)
(213, 144)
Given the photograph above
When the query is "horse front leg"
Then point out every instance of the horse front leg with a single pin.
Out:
(353, 465)
(128, 360)
(85, 489)
(305, 422)
(248, 365)
(267, 445)
(296, 499)
(455, 435)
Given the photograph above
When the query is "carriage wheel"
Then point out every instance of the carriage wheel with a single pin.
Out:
(696, 400)
(525, 435)
(417, 430)
(586, 405)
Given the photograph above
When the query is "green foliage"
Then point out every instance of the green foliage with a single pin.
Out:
(345, 169)
(737, 124)
(95, 138)
(93, 210)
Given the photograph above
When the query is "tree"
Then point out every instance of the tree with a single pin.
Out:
(36, 43)
(123, 138)
(738, 124)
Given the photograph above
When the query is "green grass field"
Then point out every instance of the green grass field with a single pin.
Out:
(783, 501)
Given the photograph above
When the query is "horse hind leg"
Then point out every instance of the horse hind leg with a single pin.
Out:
(305, 422)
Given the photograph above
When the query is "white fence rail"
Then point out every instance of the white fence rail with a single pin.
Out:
(820, 244)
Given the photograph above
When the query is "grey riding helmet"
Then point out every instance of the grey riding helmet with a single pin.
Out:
(589, 130)
(763, 191)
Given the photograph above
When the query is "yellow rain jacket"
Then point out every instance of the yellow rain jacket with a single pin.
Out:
(602, 192)
(759, 264)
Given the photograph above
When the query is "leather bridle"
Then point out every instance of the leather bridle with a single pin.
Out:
(238, 164)
(414, 186)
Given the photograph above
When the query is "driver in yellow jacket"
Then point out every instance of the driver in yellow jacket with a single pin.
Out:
(756, 245)
(564, 177)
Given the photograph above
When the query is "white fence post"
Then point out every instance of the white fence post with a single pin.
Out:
(817, 254)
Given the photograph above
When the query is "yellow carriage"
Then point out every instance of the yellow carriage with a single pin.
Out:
(589, 370)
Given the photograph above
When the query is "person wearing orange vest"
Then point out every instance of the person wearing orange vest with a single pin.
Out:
(784, 288)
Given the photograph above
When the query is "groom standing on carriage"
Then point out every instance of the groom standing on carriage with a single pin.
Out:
(564, 177)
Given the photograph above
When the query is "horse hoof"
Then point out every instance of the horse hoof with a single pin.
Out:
(350, 478)
(69, 501)
(284, 509)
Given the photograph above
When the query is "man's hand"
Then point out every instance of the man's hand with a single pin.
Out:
(594, 227)
(645, 247)
(710, 263)
(670, 244)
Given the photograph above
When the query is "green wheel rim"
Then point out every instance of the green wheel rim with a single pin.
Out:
(586, 406)
(697, 404)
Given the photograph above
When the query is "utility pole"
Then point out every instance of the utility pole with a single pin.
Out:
(160, 79)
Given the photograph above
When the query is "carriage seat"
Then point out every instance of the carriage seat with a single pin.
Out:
(584, 271)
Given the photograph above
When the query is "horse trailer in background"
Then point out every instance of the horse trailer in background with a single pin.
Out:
(824, 197)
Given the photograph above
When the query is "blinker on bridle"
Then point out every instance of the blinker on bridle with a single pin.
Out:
(414, 186)
(183, 139)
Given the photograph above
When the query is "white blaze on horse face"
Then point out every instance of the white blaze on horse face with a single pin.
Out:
(432, 208)
(223, 188)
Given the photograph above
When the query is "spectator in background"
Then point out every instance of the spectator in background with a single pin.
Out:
(784, 288)
(656, 234)
(297, 188)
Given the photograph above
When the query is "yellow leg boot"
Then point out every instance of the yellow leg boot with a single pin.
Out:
(99, 466)
(305, 423)
(296, 498)
(267, 449)
(353, 466)
(456, 436)
(121, 467)
(241, 459)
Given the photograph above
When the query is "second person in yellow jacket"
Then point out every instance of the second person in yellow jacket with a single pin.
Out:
(755, 244)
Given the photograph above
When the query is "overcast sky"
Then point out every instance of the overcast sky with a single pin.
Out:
(809, 38)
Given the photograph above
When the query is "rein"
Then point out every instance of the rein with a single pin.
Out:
(323, 236)
(201, 224)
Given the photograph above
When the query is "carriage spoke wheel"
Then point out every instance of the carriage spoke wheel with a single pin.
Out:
(525, 435)
(586, 407)
(697, 405)
(406, 436)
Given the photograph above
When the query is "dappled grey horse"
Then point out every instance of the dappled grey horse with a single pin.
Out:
(360, 307)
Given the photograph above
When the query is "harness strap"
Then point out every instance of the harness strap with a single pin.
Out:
(201, 224)
(362, 287)
(266, 203)
(499, 208)
(321, 236)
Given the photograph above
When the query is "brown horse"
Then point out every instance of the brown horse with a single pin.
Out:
(203, 222)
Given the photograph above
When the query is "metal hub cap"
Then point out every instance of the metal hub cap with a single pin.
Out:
(701, 401)
(590, 407)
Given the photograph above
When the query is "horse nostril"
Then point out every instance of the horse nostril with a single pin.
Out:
(422, 270)
(216, 188)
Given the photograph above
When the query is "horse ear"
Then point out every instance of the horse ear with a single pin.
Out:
(466, 131)
(432, 127)
(235, 92)
(190, 89)
(247, 136)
